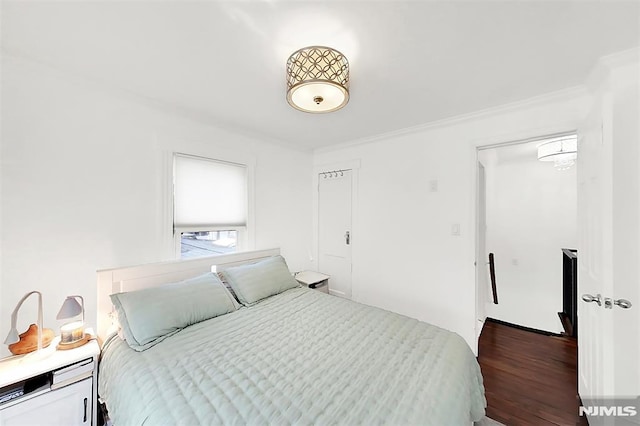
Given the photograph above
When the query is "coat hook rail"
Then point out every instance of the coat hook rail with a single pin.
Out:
(332, 174)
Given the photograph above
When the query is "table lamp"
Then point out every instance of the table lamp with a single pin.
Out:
(35, 338)
(72, 333)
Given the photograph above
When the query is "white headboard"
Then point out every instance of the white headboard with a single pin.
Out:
(154, 274)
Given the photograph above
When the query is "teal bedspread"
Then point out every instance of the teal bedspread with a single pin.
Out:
(301, 357)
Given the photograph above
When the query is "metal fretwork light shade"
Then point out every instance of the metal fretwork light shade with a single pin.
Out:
(317, 79)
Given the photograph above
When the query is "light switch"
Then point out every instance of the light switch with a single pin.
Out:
(455, 229)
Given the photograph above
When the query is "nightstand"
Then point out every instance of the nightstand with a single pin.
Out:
(55, 388)
(314, 280)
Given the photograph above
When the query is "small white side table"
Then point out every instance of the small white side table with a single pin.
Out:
(50, 387)
(314, 280)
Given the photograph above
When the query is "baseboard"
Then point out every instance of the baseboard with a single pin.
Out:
(522, 327)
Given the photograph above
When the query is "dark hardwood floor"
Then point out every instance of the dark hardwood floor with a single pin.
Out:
(529, 378)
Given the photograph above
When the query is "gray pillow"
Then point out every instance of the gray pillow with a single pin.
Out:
(151, 315)
(257, 281)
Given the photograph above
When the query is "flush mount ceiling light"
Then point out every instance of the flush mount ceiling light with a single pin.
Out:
(317, 79)
(563, 151)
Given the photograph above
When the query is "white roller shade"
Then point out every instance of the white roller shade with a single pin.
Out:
(209, 193)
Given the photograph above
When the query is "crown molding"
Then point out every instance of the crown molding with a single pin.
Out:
(621, 59)
(609, 63)
(560, 95)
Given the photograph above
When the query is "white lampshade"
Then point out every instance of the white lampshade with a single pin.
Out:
(317, 79)
(71, 308)
(12, 337)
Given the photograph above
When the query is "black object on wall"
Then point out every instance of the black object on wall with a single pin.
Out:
(569, 314)
(492, 273)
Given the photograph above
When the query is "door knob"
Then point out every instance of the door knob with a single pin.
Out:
(589, 298)
(623, 303)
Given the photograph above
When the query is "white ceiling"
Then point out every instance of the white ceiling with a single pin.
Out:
(411, 62)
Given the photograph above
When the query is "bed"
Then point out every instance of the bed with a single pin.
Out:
(297, 356)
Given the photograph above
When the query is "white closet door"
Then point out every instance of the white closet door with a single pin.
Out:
(334, 233)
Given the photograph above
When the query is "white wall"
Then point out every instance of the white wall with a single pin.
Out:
(84, 186)
(404, 256)
(531, 216)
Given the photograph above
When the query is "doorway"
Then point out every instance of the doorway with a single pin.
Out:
(527, 212)
(482, 285)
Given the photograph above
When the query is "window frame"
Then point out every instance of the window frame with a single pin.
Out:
(245, 234)
(241, 242)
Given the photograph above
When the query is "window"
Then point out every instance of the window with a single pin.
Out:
(209, 206)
